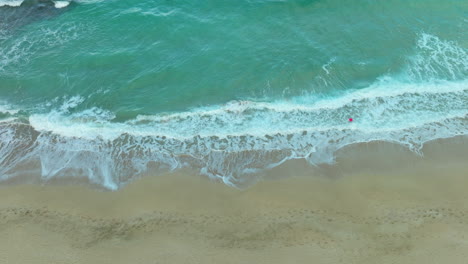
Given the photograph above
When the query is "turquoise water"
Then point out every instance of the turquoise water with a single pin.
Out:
(111, 89)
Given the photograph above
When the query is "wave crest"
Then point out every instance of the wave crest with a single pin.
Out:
(233, 141)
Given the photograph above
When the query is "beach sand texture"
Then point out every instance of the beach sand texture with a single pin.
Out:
(413, 213)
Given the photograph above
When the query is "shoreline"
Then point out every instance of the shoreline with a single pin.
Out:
(414, 213)
(370, 157)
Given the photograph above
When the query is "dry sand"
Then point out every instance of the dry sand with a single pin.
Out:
(402, 210)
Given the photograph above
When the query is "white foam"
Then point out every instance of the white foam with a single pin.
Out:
(390, 105)
(17, 3)
(235, 139)
(61, 4)
(11, 3)
(7, 109)
(437, 59)
(231, 141)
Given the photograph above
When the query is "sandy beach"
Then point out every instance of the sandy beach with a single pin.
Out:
(405, 209)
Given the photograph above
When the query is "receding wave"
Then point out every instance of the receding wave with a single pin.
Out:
(232, 141)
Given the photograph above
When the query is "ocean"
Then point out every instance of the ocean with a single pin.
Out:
(110, 90)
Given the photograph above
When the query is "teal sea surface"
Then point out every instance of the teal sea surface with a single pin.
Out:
(110, 89)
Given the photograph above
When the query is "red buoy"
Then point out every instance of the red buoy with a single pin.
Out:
(350, 120)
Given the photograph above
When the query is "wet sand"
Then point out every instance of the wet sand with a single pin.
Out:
(379, 204)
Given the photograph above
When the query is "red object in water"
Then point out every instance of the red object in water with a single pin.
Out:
(350, 120)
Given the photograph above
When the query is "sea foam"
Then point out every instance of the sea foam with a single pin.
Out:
(17, 3)
(232, 141)
(11, 3)
(61, 4)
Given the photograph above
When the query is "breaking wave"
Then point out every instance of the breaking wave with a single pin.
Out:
(232, 141)
(18, 3)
